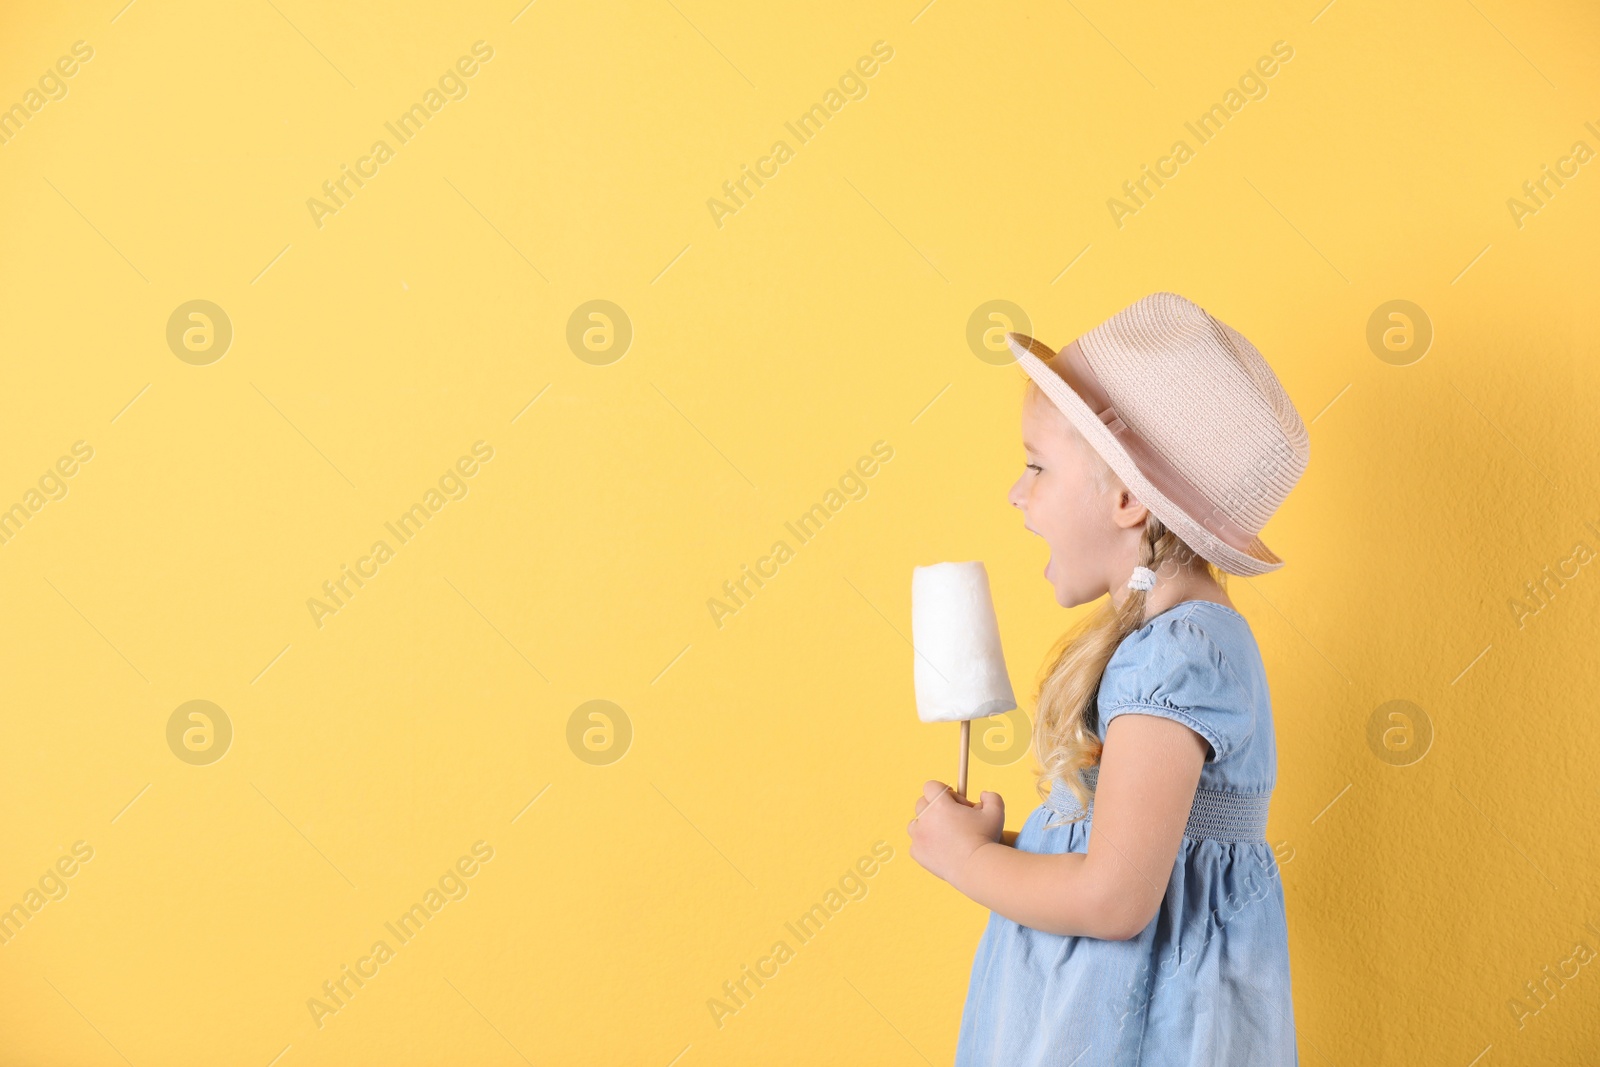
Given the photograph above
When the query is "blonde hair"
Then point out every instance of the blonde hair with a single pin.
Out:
(1066, 723)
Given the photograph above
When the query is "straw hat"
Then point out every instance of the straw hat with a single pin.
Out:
(1190, 417)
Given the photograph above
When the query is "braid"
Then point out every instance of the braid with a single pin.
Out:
(1066, 728)
(1066, 732)
(1157, 548)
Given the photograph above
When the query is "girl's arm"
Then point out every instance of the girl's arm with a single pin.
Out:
(1149, 770)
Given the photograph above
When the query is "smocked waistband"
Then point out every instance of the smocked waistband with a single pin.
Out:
(1217, 814)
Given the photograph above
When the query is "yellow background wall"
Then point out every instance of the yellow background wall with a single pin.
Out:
(1435, 864)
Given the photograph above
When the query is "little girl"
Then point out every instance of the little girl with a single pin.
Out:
(1137, 917)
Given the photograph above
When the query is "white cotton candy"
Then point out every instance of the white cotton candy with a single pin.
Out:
(959, 670)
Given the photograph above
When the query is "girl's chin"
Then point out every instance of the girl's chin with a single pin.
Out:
(1055, 586)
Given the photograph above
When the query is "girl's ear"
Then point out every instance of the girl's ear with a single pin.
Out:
(1129, 512)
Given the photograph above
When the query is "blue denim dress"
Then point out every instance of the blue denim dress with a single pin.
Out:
(1207, 982)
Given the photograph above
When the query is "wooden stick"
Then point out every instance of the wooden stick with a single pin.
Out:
(966, 743)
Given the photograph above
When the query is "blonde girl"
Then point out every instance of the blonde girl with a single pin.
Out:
(1137, 917)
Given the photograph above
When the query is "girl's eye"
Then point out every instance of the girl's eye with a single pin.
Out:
(1035, 467)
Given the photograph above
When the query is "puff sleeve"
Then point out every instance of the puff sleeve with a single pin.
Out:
(1171, 668)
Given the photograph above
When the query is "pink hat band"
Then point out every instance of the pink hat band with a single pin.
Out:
(1167, 479)
(1200, 430)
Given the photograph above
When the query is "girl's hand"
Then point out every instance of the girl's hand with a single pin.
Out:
(947, 830)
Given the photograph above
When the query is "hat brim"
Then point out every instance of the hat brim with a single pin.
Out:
(1032, 356)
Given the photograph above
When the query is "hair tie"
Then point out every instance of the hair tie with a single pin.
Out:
(1143, 579)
